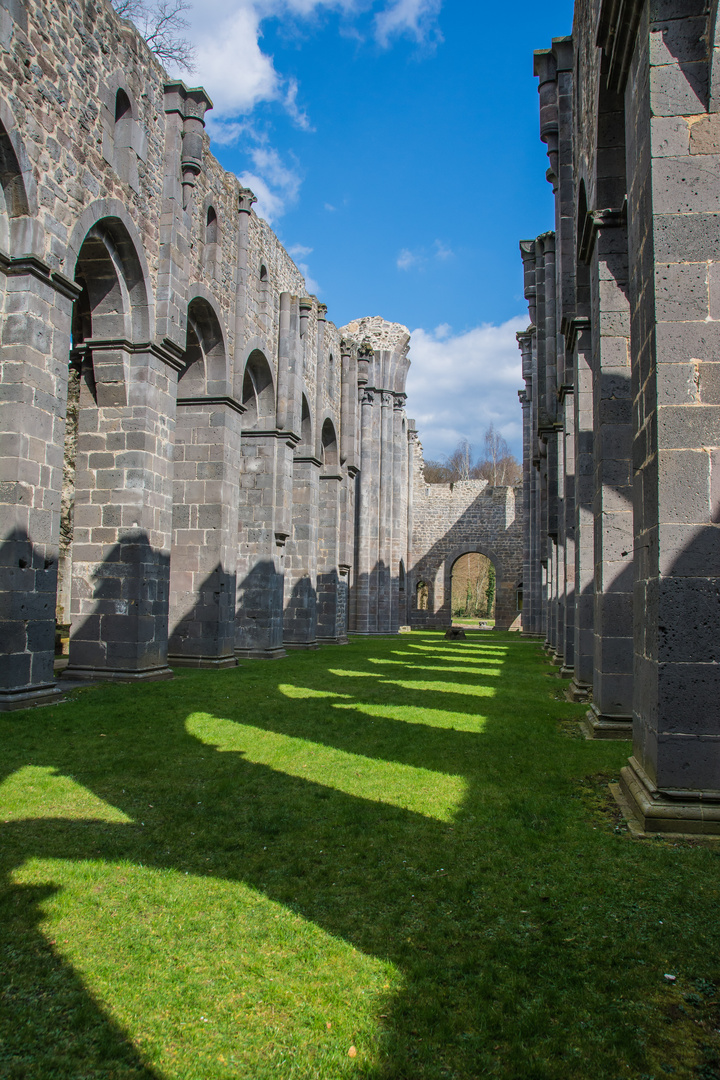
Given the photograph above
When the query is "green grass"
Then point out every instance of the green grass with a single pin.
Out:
(400, 847)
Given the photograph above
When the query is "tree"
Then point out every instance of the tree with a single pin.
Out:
(497, 464)
(161, 23)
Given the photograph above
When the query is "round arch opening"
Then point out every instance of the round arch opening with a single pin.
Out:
(473, 587)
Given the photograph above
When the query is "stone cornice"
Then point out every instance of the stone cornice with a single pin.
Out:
(616, 32)
(289, 437)
(213, 400)
(35, 267)
(574, 326)
(307, 460)
(166, 350)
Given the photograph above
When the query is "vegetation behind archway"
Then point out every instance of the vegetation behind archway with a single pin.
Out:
(473, 586)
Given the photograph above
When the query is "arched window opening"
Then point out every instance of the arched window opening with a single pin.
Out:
(263, 272)
(422, 595)
(258, 395)
(329, 446)
(211, 226)
(191, 381)
(305, 425)
(123, 108)
(473, 587)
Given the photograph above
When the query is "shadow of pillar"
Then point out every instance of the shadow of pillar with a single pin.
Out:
(27, 622)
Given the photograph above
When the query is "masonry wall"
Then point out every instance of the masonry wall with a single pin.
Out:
(202, 509)
(639, 336)
(450, 520)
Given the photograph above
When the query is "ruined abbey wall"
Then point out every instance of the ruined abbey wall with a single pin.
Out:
(447, 521)
(620, 407)
(204, 499)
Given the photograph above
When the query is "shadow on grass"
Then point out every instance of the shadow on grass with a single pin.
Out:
(522, 931)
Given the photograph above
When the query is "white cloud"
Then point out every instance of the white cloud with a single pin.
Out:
(458, 384)
(275, 184)
(412, 18)
(238, 75)
(419, 259)
(406, 259)
(299, 252)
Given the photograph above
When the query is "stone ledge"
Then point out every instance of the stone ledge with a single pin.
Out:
(650, 812)
(108, 675)
(595, 725)
(260, 654)
(28, 699)
(213, 662)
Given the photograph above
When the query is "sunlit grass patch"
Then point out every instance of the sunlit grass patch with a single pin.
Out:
(436, 667)
(210, 977)
(421, 791)
(460, 689)
(39, 791)
(408, 714)
(190, 902)
(300, 692)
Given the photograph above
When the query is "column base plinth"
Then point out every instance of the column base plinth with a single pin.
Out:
(214, 663)
(578, 691)
(332, 641)
(672, 812)
(90, 674)
(30, 697)
(597, 725)
(299, 645)
(260, 654)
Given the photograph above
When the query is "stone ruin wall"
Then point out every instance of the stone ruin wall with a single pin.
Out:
(450, 520)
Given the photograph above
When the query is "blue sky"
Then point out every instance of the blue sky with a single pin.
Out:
(394, 148)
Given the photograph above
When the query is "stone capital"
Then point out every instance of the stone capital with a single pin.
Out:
(246, 198)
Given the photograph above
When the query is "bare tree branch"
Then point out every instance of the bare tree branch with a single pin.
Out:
(161, 23)
(497, 464)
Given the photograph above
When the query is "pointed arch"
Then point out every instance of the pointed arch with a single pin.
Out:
(258, 392)
(330, 455)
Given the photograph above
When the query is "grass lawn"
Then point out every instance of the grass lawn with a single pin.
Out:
(394, 860)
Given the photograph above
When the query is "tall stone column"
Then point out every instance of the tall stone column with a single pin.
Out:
(368, 506)
(34, 352)
(399, 513)
(300, 618)
(584, 651)
(610, 715)
(568, 525)
(261, 548)
(204, 546)
(123, 514)
(331, 602)
(673, 778)
(387, 463)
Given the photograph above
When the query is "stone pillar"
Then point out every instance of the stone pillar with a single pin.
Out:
(123, 514)
(260, 562)
(331, 601)
(33, 389)
(387, 464)
(584, 650)
(204, 545)
(567, 647)
(245, 204)
(300, 618)
(610, 713)
(367, 509)
(673, 778)
(399, 513)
